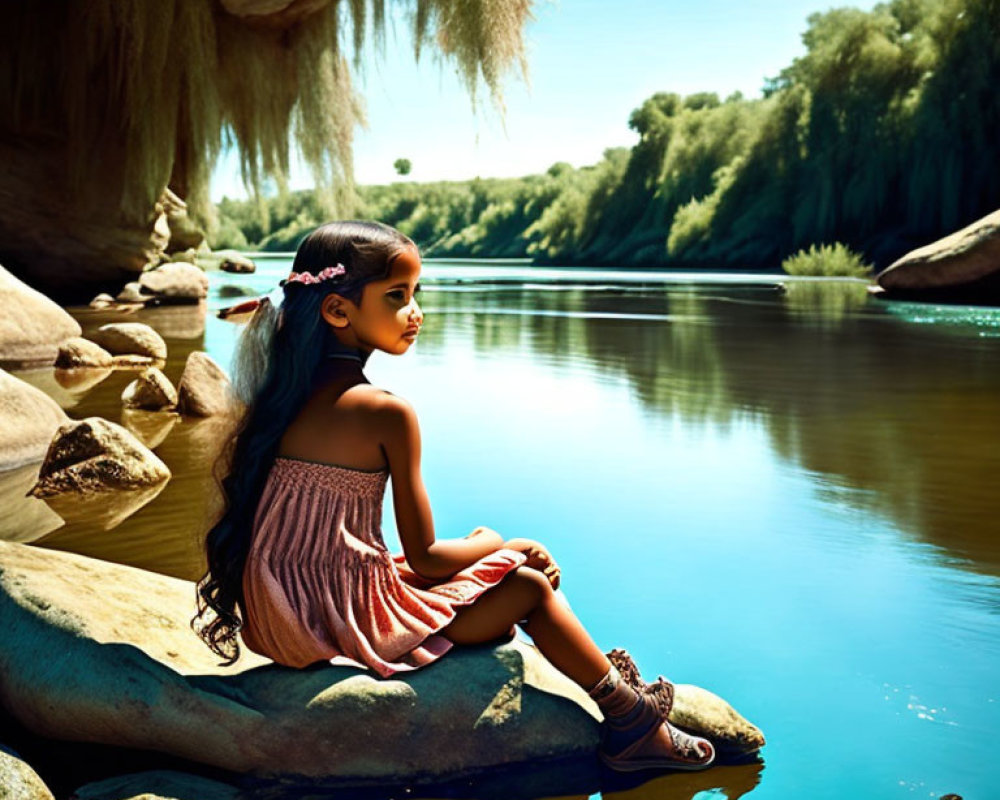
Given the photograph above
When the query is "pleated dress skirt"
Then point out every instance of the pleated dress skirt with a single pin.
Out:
(320, 584)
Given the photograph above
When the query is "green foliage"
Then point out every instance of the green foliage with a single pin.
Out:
(827, 260)
(402, 166)
(881, 136)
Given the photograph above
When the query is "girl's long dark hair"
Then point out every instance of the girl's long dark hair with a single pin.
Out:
(275, 367)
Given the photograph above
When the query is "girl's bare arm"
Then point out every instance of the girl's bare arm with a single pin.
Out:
(426, 556)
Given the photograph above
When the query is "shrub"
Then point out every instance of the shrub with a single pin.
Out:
(827, 260)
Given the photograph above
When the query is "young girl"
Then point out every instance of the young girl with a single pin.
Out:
(297, 564)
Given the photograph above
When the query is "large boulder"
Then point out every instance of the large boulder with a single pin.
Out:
(175, 282)
(31, 326)
(965, 264)
(28, 420)
(204, 389)
(130, 338)
(131, 672)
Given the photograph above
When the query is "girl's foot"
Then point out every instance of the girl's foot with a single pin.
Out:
(637, 734)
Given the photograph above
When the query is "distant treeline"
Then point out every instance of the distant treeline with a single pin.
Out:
(883, 136)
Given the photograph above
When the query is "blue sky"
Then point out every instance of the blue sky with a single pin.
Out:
(590, 64)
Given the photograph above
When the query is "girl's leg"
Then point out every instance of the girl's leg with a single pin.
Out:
(525, 596)
(638, 737)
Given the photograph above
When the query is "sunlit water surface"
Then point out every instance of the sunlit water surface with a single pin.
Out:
(787, 497)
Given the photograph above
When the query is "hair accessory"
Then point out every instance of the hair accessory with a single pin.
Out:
(308, 278)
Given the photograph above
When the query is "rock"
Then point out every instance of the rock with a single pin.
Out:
(188, 256)
(966, 262)
(103, 300)
(18, 781)
(130, 338)
(92, 456)
(175, 281)
(80, 352)
(160, 784)
(28, 420)
(31, 326)
(131, 673)
(184, 234)
(151, 391)
(97, 472)
(233, 262)
(133, 293)
(702, 713)
(204, 388)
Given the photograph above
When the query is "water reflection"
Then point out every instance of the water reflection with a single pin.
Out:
(24, 518)
(902, 414)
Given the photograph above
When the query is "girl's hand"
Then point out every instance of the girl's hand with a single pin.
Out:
(538, 558)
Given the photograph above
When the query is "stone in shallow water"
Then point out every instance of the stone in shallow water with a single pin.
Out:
(132, 292)
(175, 281)
(94, 455)
(703, 713)
(204, 389)
(80, 352)
(151, 391)
(130, 338)
(964, 264)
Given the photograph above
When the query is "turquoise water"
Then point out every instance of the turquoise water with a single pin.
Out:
(787, 497)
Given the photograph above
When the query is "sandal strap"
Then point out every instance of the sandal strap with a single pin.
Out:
(661, 688)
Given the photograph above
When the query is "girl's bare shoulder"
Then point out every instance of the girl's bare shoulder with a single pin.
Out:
(364, 396)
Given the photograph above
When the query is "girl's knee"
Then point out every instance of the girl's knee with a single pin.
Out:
(533, 581)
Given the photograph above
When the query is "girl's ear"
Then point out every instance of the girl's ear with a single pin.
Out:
(333, 310)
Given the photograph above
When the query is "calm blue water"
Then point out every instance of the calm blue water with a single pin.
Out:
(787, 498)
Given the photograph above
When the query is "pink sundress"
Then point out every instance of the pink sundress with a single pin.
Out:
(320, 584)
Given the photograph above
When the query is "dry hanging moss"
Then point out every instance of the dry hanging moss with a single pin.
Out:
(156, 85)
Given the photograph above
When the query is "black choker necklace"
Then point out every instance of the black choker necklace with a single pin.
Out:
(335, 349)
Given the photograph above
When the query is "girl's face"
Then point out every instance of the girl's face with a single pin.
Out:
(389, 316)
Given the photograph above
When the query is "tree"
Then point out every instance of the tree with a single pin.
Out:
(402, 166)
(104, 105)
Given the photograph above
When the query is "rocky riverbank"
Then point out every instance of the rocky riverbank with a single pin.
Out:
(107, 692)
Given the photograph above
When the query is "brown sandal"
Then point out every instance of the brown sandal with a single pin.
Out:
(630, 672)
(636, 733)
